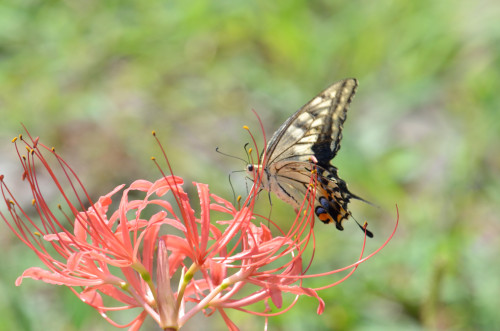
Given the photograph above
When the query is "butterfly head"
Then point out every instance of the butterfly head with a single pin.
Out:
(255, 172)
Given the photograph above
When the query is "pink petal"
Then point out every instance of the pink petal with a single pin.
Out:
(276, 296)
(218, 271)
(91, 297)
(203, 193)
(230, 325)
(55, 278)
(229, 206)
(74, 260)
(61, 236)
(81, 226)
(137, 323)
(164, 185)
(141, 185)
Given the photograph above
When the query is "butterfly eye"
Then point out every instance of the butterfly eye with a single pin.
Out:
(250, 167)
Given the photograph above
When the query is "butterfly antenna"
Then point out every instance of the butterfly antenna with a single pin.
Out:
(229, 155)
(363, 227)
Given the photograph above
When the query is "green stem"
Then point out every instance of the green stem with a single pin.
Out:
(185, 281)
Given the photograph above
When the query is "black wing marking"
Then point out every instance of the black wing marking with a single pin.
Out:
(315, 129)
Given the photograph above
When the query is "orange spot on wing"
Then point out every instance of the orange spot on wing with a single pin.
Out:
(325, 218)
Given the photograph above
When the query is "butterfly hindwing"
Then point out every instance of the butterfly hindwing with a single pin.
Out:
(289, 180)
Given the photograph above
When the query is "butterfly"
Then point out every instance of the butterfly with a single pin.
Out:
(312, 133)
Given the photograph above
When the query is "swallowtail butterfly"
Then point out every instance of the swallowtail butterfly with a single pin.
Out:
(312, 133)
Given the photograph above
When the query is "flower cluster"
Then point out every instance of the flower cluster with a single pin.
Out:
(152, 251)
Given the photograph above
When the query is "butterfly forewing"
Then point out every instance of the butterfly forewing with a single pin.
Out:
(315, 129)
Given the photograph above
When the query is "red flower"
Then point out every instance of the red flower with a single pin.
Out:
(158, 256)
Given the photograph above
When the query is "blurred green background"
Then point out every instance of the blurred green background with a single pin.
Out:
(93, 78)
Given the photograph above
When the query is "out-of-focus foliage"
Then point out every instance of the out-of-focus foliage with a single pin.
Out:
(93, 78)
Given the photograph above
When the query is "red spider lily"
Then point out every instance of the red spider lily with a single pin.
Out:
(138, 252)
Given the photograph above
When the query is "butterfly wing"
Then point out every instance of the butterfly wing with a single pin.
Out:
(315, 129)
